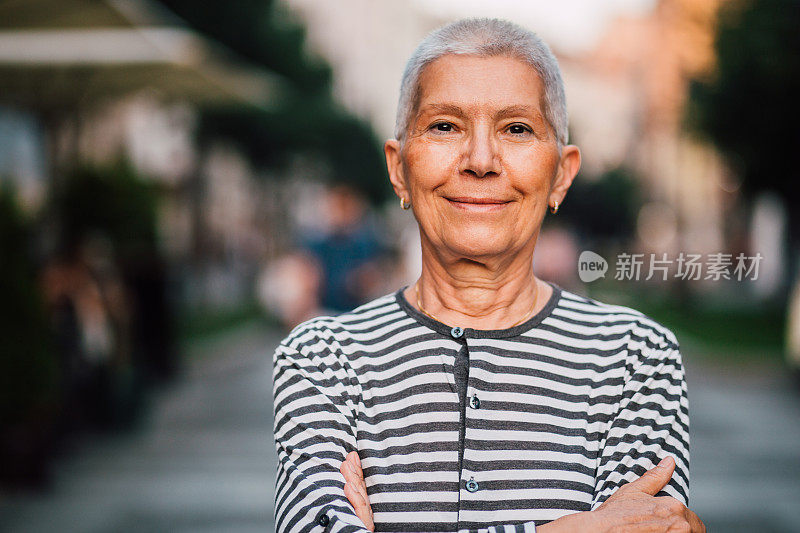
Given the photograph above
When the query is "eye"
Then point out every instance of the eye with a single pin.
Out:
(442, 127)
(519, 129)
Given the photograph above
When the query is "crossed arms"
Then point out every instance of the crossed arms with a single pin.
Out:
(320, 486)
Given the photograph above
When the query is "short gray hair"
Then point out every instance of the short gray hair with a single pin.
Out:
(485, 37)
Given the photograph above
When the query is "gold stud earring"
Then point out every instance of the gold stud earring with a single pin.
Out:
(403, 203)
(554, 207)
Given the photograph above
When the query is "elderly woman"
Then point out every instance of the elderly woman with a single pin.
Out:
(480, 397)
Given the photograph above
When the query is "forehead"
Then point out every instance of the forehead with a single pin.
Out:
(480, 83)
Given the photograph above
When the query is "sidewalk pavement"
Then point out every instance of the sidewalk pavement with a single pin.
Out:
(745, 447)
(204, 460)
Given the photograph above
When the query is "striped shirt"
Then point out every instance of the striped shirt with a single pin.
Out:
(557, 413)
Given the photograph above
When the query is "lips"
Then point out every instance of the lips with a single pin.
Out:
(478, 204)
(470, 200)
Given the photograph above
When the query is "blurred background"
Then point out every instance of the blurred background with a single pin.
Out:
(183, 181)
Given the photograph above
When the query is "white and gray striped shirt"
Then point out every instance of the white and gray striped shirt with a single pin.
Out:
(556, 414)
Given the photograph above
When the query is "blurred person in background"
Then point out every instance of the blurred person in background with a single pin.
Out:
(332, 271)
(89, 309)
(289, 287)
(481, 397)
(346, 252)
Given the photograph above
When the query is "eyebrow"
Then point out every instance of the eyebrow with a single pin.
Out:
(516, 110)
(448, 109)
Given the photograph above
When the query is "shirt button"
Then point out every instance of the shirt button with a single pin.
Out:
(472, 485)
(456, 332)
(323, 520)
(475, 402)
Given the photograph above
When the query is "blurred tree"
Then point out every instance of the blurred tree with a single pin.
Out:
(611, 202)
(105, 223)
(126, 215)
(260, 31)
(28, 366)
(748, 106)
(308, 121)
(317, 128)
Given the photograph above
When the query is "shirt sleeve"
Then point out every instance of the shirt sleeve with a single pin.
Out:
(315, 419)
(652, 421)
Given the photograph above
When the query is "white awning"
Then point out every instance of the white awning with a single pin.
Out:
(45, 66)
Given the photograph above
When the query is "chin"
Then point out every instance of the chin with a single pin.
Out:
(478, 242)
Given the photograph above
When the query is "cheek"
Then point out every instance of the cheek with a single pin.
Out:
(428, 165)
(532, 173)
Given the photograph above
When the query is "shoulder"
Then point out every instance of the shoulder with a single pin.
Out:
(641, 328)
(329, 334)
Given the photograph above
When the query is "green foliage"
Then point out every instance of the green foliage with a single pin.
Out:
(261, 32)
(732, 335)
(346, 144)
(199, 324)
(611, 202)
(356, 158)
(28, 366)
(112, 202)
(749, 107)
(306, 121)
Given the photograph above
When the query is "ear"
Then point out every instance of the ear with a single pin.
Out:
(568, 167)
(394, 163)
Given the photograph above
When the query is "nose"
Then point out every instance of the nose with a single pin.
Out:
(481, 157)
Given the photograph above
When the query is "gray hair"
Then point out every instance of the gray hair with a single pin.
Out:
(485, 37)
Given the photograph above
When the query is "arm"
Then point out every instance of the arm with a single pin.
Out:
(632, 507)
(652, 421)
(642, 480)
(315, 406)
(356, 491)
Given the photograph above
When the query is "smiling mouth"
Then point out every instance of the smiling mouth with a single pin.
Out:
(479, 205)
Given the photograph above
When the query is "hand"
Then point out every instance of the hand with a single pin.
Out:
(356, 490)
(634, 506)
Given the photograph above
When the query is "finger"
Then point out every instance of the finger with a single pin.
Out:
(352, 496)
(354, 477)
(654, 479)
(360, 506)
(346, 471)
(695, 523)
(361, 486)
(659, 525)
(356, 488)
(355, 472)
(354, 460)
(355, 497)
(670, 506)
(360, 483)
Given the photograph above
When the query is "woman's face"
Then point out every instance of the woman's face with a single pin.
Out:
(480, 161)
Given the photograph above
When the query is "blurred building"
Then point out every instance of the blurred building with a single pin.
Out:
(627, 101)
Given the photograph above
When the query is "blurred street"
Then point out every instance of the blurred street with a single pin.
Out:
(745, 448)
(204, 458)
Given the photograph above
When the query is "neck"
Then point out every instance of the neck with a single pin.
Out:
(491, 294)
